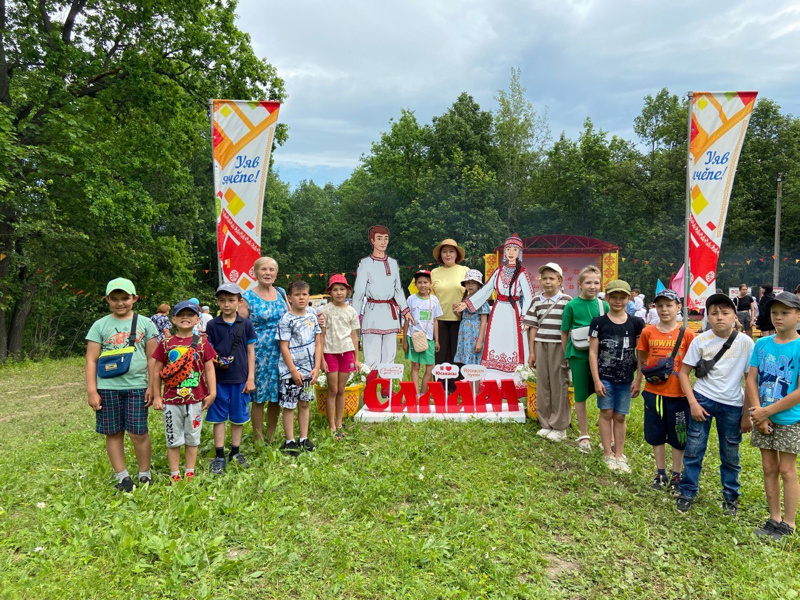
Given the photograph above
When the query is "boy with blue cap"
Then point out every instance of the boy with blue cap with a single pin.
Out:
(184, 363)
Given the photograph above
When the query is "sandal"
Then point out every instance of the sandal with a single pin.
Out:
(586, 447)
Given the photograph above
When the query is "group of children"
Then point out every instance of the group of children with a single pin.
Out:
(607, 352)
(186, 374)
(621, 352)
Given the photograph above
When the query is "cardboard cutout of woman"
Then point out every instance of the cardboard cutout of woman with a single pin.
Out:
(505, 347)
(378, 296)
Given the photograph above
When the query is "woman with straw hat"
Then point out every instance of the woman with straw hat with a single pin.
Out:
(446, 286)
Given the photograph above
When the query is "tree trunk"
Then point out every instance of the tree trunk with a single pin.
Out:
(19, 318)
(3, 337)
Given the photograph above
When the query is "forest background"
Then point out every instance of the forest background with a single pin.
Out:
(105, 171)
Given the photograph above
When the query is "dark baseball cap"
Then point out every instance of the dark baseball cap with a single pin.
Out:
(788, 298)
(719, 299)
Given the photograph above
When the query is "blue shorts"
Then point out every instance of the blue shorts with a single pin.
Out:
(618, 397)
(231, 405)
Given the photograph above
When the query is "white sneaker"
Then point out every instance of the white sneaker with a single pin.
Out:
(543, 432)
(611, 463)
(622, 464)
(557, 436)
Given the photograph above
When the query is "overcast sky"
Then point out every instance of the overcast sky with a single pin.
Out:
(351, 65)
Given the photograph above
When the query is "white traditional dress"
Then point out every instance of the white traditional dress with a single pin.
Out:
(378, 296)
(505, 347)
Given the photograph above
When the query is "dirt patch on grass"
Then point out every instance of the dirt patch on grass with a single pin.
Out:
(558, 566)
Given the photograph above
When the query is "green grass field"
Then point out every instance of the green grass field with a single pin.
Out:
(398, 510)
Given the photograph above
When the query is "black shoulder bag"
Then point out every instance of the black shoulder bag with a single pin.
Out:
(661, 371)
(704, 367)
(223, 362)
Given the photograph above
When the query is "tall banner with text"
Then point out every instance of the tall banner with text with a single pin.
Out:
(719, 122)
(243, 134)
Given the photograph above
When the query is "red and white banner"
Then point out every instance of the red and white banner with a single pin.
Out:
(243, 134)
(719, 123)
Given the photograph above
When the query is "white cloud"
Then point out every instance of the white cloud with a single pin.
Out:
(351, 65)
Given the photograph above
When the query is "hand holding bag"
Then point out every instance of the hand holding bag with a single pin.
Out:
(419, 340)
(661, 371)
(113, 363)
(580, 335)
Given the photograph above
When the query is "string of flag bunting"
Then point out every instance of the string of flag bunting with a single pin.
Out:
(722, 264)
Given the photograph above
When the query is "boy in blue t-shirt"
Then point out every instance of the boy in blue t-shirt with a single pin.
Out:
(300, 339)
(121, 401)
(234, 340)
(772, 388)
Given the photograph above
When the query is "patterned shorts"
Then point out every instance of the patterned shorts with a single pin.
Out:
(784, 438)
(289, 393)
(122, 410)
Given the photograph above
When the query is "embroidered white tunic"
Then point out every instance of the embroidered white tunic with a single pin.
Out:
(505, 347)
(378, 295)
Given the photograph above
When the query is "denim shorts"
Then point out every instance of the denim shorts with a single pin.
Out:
(618, 397)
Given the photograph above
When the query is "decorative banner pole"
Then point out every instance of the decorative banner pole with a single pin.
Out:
(242, 137)
(718, 125)
(689, 163)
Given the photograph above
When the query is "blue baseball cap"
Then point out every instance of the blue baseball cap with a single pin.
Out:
(186, 304)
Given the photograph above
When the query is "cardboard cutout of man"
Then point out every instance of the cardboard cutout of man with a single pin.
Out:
(378, 296)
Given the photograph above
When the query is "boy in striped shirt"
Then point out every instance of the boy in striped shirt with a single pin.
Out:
(545, 353)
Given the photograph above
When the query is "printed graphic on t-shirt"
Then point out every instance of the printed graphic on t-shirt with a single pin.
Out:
(775, 377)
(193, 380)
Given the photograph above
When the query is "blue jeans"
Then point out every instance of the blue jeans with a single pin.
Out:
(730, 436)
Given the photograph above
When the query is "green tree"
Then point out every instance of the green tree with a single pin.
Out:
(109, 172)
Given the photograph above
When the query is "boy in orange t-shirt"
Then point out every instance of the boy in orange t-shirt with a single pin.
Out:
(666, 409)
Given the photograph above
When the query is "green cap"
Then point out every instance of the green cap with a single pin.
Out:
(120, 283)
(618, 286)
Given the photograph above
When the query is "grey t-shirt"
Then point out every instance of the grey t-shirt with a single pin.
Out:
(112, 333)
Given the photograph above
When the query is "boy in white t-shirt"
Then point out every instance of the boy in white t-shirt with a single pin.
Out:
(719, 396)
(425, 310)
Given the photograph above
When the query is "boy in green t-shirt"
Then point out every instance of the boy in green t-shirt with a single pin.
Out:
(121, 401)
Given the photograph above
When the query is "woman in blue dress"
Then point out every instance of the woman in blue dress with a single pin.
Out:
(265, 304)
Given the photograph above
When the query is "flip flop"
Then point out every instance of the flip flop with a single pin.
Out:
(587, 447)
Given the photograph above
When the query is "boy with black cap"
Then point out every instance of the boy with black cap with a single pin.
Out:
(722, 359)
(184, 363)
(775, 411)
(233, 339)
(118, 350)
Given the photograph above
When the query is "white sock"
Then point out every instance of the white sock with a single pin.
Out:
(301, 440)
(190, 471)
(290, 441)
(145, 474)
(121, 475)
(174, 473)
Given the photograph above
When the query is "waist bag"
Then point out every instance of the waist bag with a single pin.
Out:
(704, 367)
(113, 363)
(174, 373)
(223, 362)
(661, 371)
(580, 335)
